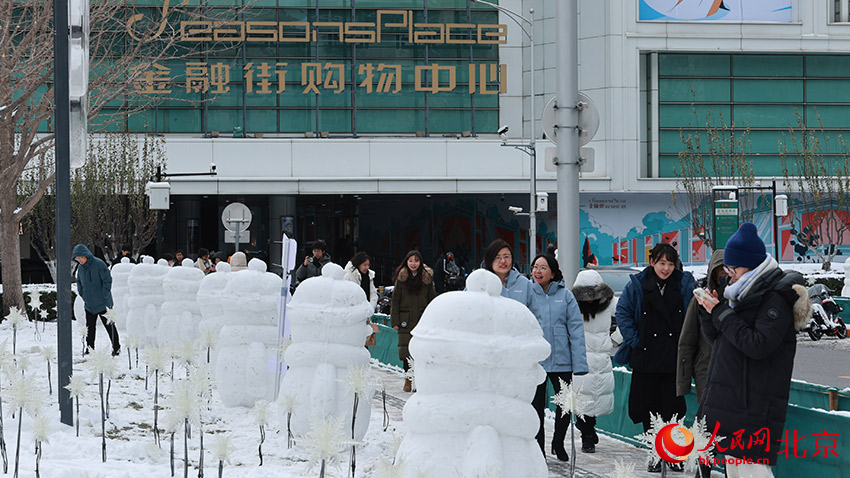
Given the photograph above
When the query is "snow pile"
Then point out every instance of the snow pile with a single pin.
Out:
(476, 356)
(210, 301)
(121, 291)
(247, 350)
(180, 314)
(146, 298)
(328, 317)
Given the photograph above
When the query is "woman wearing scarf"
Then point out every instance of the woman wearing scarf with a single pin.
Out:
(754, 340)
(650, 314)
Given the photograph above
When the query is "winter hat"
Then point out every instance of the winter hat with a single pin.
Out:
(745, 248)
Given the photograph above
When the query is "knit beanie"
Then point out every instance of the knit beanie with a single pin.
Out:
(745, 248)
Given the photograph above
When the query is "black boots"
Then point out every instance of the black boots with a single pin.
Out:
(559, 451)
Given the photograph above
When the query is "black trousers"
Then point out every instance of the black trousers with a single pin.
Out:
(562, 423)
(91, 326)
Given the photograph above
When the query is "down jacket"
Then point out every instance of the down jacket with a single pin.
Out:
(597, 298)
(94, 281)
(558, 315)
(518, 288)
(754, 344)
(353, 275)
(408, 304)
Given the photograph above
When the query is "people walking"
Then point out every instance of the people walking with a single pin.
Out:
(312, 265)
(412, 292)
(204, 263)
(754, 340)
(358, 271)
(499, 259)
(597, 304)
(94, 285)
(559, 317)
(650, 314)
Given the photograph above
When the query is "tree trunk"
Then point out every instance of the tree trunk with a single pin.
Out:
(10, 253)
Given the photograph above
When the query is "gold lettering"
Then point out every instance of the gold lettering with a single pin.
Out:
(434, 83)
(256, 33)
(293, 39)
(187, 33)
(486, 76)
(359, 36)
(403, 24)
(317, 25)
(426, 36)
(501, 34)
(224, 33)
(463, 37)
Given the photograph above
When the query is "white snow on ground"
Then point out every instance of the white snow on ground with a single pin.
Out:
(131, 451)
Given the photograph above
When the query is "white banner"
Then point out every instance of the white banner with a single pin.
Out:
(780, 11)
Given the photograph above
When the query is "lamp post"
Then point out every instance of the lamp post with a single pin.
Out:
(529, 148)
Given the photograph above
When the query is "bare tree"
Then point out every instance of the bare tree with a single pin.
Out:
(712, 156)
(117, 46)
(816, 168)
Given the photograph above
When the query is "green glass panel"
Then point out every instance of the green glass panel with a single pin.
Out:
(693, 65)
(143, 122)
(693, 90)
(828, 116)
(767, 165)
(767, 65)
(677, 116)
(667, 166)
(329, 99)
(487, 121)
(335, 121)
(261, 121)
(224, 120)
(828, 91)
(406, 98)
(672, 141)
(768, 91)
(766, 116)
(450, 121)
(829, 66)
(766, 141)
(294, 97)
(459, 98)
(486, 101)
(297, 121)
(390, 121)
(232, 97)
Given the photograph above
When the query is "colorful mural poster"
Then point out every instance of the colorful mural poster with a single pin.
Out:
(779, 11)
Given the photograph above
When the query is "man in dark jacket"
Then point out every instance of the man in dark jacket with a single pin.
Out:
(754, 340)
(94, 285)
(312, 266)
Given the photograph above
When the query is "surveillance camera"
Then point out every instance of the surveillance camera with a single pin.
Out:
(503, 130)
(212, 167)
(515, 209)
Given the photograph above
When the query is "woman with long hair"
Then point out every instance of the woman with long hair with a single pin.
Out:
(558, 314)
(413, 290)
(358, 271)
(499, 259)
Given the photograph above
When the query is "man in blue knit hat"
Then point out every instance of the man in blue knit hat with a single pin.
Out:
(754, 339)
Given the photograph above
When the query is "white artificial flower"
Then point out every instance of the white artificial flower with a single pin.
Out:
(262, 412)
(101, 362)
(49, 353)
(221, 448)
(155, 358)
(22, 393)
(35, 300)
(209, 337)
(188, 352)
(15, 316)
(570, 400)
(325, 440)
(185, 403)
(287, 403)
(657, 424)
(702, 437)
(76, 385)
(22, 364)
(5, 355)
(357, 380)
(410, 374)
(622, 470)
(386, 469)
(110, 316)
(43, 313)
(41, 428)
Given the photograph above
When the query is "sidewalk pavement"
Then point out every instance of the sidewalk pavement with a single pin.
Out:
(589, 465)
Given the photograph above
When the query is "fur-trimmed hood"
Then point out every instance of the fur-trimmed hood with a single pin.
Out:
(592, 293)
(802, 307)
(427, 275)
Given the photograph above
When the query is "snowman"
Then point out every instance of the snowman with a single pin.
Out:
(121, 291)
(328, 316)
(247, 348)
(476, 357)
(845, 291)
(146, 298)
(180, 314)
(210, 301)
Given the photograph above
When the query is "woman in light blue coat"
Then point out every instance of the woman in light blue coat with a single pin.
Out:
(498, 259)
(559, 316)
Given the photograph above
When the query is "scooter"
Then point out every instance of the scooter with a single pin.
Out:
(825, 320)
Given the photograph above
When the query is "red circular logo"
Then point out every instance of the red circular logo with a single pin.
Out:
(669, 450)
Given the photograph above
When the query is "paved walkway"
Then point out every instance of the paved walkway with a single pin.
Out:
(589, 465)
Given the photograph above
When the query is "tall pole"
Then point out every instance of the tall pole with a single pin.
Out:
(532, 212)
(63, 208)
(566, 26)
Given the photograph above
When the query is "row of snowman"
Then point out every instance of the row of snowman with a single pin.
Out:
(477, 357)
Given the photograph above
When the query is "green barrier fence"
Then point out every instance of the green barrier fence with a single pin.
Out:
(821, 450)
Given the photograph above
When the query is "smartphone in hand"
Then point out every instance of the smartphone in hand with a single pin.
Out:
(703, 294)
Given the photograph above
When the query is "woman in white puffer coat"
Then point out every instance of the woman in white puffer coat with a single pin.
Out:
(597, 304)
(358, 271)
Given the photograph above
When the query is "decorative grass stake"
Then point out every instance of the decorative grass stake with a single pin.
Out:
(76, 386)
(208, 340)
(324, 441)
(186, 406)
(49, 354)
(380, 383)
(221, 452)
(43, 313)
(155, 359)
(357, 383)
(170, 427)
(108, 389)
(261, 413)
(287, 405)
(103, 365)
(41, 431)
(5, 362)
(83, 332)
(573, 402)
(15, 317)
(22, 395)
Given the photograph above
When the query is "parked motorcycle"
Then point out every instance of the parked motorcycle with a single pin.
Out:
(385, 300)
(825, 320)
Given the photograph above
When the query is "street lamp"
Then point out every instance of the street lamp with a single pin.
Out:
(528, 148)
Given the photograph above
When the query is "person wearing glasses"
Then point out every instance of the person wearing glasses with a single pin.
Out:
(499, 259)
(754, 340)
(650, 314)
(559, 316)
